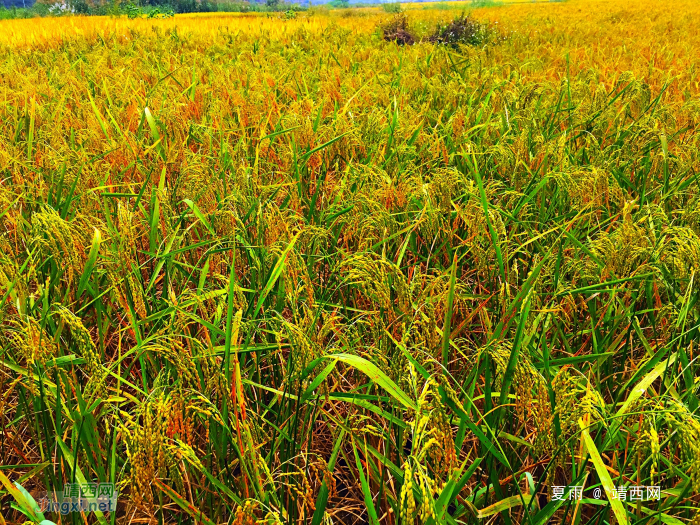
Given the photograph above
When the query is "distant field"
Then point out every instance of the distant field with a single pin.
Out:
(277, 268)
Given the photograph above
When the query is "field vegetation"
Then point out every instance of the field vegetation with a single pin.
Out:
(263, 268)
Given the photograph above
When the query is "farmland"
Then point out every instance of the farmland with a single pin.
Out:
(273, 268)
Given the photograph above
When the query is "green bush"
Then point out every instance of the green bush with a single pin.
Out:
(339, 4)
(485, 3)
(131, 10)
(392, 7)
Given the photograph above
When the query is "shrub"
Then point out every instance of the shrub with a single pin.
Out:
(80, 7)
(131, 10)
(397, 30)
(392, 7)
(463, 30)
(339, 4)
(160, 12)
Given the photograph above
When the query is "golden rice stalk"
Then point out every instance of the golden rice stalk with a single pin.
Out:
(55, 234)
(86, 348)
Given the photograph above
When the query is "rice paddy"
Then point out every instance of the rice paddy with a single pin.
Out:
(262, 268)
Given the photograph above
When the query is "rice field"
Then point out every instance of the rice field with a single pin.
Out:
(264, 269)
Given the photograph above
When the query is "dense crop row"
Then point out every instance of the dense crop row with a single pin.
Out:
(283, 270)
